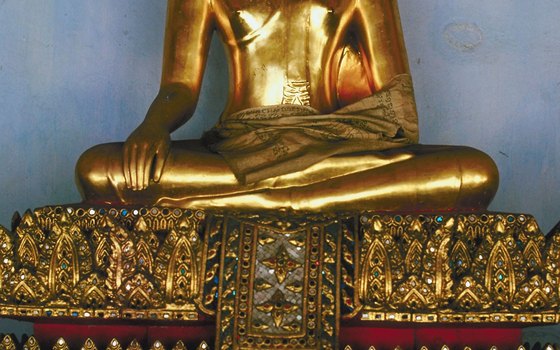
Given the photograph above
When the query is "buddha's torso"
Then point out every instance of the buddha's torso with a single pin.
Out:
(283, 51)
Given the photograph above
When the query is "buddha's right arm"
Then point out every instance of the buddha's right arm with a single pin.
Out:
(188, 33)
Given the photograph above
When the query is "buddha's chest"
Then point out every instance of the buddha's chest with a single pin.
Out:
(275, 19)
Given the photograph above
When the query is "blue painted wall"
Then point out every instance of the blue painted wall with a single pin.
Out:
(77, 73)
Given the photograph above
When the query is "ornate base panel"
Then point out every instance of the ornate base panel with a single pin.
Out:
(102, 263)
(458, 268)
(278, 284)
(286, 278)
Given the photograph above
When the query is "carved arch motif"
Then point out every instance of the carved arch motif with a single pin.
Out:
(500, 275)
(376, 277)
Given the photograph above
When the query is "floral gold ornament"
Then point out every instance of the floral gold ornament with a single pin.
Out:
(89, 345)
(157, 346)
(32, 344)
(114, 345)
(180, 346)
(61, 345)
(134, 345)
(8, 343)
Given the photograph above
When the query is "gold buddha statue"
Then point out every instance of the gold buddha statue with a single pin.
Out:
(320, 116)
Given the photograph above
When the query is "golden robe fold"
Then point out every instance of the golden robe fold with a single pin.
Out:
(263, 142)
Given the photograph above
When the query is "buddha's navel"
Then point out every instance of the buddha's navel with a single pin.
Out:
(296, 92)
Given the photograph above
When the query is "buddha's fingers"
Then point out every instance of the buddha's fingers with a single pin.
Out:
(148, 160)
(133, 161)
(141, 162)
(161, 155)
(126, 166)
(145, 164)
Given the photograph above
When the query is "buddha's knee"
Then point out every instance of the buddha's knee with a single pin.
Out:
(479, 179)
(92, 169)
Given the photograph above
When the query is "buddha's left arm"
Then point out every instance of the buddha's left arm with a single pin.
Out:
(379, 32)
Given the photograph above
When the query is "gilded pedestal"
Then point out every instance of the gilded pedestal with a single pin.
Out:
(279, 279)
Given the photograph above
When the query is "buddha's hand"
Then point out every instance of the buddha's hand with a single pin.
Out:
(144, 155)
